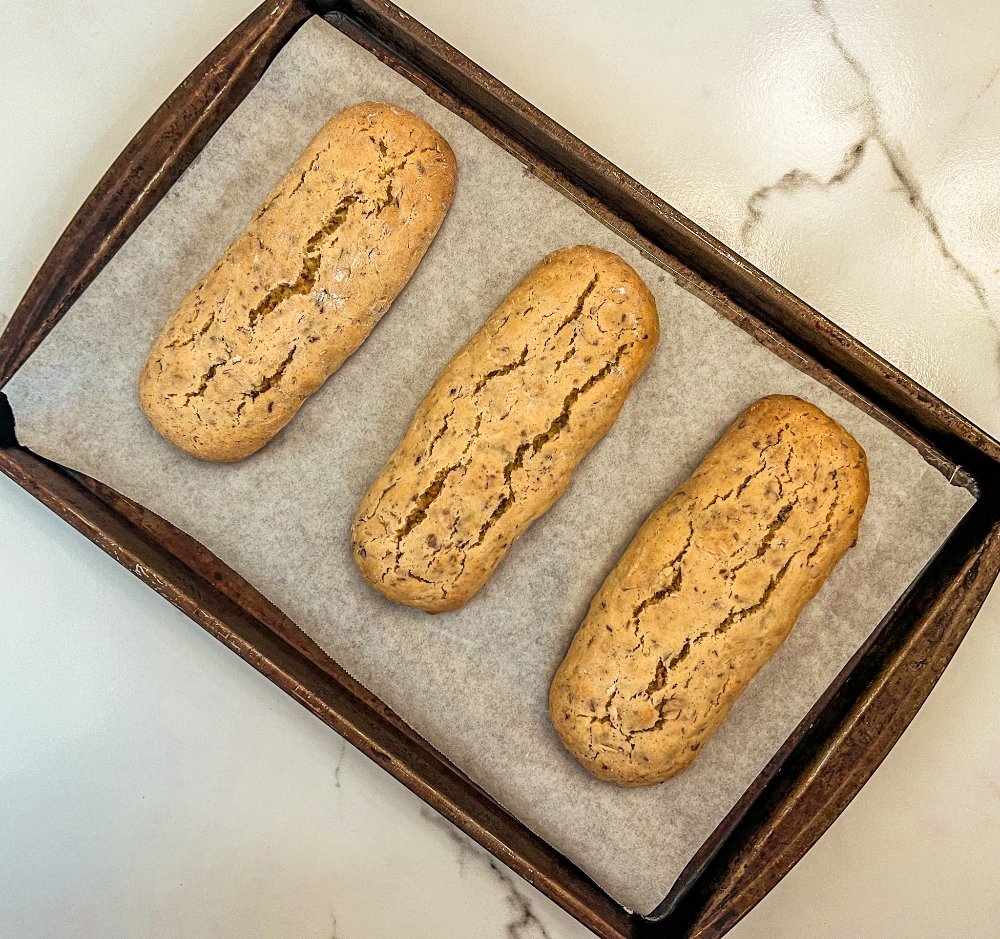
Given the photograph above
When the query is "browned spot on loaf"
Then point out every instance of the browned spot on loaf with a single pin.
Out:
(303, 286)
(496, 440)
(707, 591)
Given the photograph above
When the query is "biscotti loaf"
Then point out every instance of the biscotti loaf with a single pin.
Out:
(303, 286)
(497, 438)
(707, 591)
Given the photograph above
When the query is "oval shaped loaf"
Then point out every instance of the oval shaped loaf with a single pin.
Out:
(303, 286)
(707, 591)
(497, 438)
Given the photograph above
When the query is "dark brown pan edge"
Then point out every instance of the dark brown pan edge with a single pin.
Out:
(595, 920)
(142, 174)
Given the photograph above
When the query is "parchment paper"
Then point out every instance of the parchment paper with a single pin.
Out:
(474, 682)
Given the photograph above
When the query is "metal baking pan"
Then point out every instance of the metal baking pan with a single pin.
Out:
(845, 735)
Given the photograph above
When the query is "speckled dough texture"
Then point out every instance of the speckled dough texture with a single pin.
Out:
(707, 591)
(497, 438)
(474, 682)
(297, 292)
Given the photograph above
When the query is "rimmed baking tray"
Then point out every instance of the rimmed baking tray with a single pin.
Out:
(844, 736)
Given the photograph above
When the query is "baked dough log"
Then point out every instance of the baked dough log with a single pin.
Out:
(303, 286)
(496, 440)
(707, 591)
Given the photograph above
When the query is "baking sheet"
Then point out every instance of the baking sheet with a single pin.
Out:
(474, 683)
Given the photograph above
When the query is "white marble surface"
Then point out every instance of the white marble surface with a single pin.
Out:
(154, 785)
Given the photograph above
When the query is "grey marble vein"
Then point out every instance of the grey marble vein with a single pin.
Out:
(894, 154)
(797, 179)
(340, 762)
(874, 132)
(525, 924)
(973, 104)
(994, 75)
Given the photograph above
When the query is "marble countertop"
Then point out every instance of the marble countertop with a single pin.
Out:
(155, 785)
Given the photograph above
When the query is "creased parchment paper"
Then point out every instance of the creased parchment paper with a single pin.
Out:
(474, 683)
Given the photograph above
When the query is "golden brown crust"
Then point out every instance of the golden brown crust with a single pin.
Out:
(707, 591)
(497, 438)
(303, 286)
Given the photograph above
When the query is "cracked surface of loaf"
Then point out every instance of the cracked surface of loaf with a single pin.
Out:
(302, 287)
(707, 591)
(496, 440)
